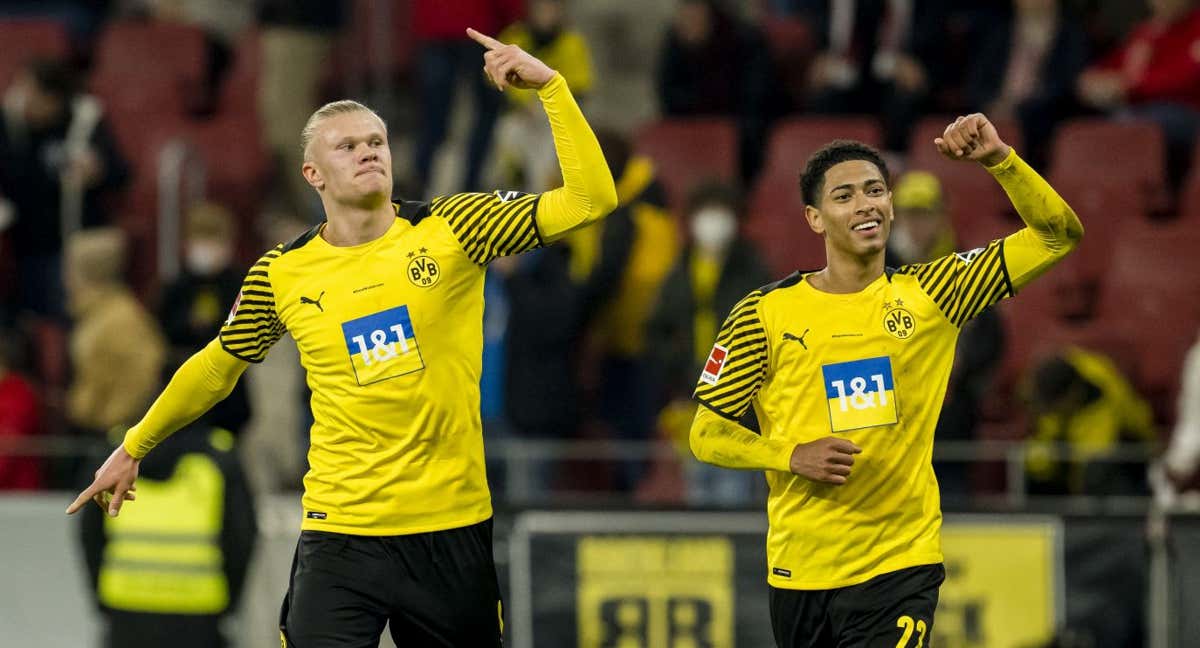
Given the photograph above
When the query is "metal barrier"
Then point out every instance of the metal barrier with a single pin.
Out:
(521, 458)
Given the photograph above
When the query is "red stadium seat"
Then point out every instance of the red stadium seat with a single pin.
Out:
(776, 210)
(1132, 154)
(150, 67)
(1189, 195)
(776, 223)
(378, 40)
(240, 92)
(1150, 292)
(794, 140)
(24, 40)
(792, 45)
(690, 151)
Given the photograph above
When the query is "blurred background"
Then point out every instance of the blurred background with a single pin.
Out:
(149, 152)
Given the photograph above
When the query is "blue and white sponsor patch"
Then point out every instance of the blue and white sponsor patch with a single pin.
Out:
(382, 345)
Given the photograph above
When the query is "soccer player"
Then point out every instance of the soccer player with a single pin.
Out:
(385, 302)
(846, 368)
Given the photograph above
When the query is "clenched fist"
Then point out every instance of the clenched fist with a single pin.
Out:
(972, 138)
(826, 460)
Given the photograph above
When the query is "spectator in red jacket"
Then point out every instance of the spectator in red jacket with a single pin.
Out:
(20, 419)
(445, 56)
(1155, 75)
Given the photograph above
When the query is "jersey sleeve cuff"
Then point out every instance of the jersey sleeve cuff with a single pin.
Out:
(552, 87)
(1005, 164)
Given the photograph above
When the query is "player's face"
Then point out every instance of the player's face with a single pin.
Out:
(350, 159)
(854, 212)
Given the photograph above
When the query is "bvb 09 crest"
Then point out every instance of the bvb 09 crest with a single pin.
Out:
(423, 271)
(899, 321)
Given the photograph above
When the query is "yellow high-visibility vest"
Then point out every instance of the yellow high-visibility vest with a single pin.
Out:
(163, 553)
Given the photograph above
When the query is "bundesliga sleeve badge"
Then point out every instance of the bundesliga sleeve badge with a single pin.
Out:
(714, 364)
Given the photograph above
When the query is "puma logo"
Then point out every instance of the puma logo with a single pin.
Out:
(789, 336)
(315, 302)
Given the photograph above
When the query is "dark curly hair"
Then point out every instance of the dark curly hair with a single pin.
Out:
(836, 152)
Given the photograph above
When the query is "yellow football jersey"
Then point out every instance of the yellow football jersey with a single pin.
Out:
(390, 334)
(871, 367)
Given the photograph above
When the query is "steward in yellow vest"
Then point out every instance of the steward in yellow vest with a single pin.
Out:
(175, 561)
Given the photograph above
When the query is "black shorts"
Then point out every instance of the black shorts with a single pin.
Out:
(893, 610)
(436, 589)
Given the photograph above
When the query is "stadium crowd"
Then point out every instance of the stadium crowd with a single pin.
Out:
(1103, 97)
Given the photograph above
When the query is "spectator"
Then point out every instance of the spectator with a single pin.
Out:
(625, 260)
(20, 420)
(1154, 75)
(195, 303)
(717, 268)
(921, 233)
(297, 38)
(193, 534)
(116, 348)
(524, 142)
(1081, 409)
(57, 161)
(1176, 473)
(222, 21)
(445, 56)
(1025, 66)
(714, 64)
(879, 57)
(542, 391)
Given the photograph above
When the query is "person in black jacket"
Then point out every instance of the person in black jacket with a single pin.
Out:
(713, 64)
(195, 303)
(190, 539)
(718, 267)
(58, 161)
(1025, 65)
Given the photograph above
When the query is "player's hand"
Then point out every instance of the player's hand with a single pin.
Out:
(972, 138)
(826, 460)
(509, 65)
(112, 485)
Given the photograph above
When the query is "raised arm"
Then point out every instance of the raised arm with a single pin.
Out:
(588, 192)
(1051, 227)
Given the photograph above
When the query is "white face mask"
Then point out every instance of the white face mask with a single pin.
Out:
(713, 228)
(206, 258)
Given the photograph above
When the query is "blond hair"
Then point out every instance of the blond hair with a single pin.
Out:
(98, 254)
(331, 109)
(209, 220)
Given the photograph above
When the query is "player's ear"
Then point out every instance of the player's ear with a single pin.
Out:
(815, 220)
(312, 175)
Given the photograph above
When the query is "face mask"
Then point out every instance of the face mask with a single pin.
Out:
(206, 258)
(713, 228)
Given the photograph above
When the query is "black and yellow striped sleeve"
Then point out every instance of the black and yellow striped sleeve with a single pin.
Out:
(491, 225)
(253, 324)
(737, 365)
(965, 283)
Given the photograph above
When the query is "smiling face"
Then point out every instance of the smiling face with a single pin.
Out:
(853, 210)
(348, 160)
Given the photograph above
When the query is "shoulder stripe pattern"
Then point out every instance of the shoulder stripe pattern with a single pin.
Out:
(964, 284)
(254, 324)
(489, 225)
(742, 361)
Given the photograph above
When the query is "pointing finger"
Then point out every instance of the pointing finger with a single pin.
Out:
(82, 499)
(484, 39)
